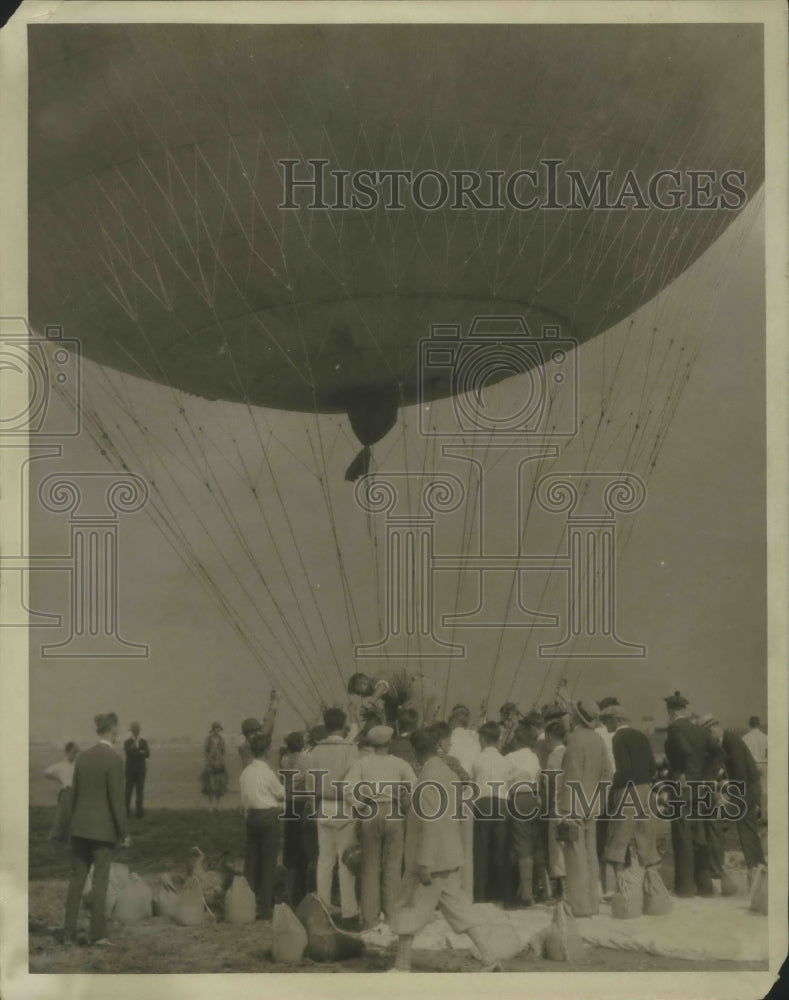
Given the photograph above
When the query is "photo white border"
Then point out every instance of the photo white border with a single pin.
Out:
(16, 983)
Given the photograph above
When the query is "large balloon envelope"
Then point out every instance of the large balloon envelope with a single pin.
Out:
(154, 184)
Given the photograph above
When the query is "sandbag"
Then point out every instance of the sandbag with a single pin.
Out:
(628, 900)
(758, 897)
(495, 942)
(135, 901)
(325, 941)
(734, 882)
(191, 908)
(120, 876)
(563, 942)
(657, 901)
(164, 901)
(240, 902)
(288, 935)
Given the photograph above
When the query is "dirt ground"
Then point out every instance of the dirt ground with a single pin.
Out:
(158, 946)
(161, 843)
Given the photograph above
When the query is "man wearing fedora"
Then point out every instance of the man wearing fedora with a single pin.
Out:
(582, 796)
(434, 858)
(387, 781)
(690, 755)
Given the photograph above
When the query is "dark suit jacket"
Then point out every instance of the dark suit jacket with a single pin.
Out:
(690, 750)
(97, 795)
(633, 758)
(136, 756)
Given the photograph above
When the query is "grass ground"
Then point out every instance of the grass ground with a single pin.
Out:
(161, 842)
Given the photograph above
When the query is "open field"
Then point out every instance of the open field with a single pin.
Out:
(161, 842)
(172, 782)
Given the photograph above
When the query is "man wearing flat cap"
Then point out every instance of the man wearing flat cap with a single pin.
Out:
(252, 727)
(690, 755)
(635, 770)
(387, 781)
(582, 796)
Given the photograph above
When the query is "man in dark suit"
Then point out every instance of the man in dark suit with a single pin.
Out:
(98, 824)
(137, 753)
(690, 749)
(634, 771)
(740, 766)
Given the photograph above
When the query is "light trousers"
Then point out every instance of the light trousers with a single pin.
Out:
(333, 839)
(583, 870)
(382, 842)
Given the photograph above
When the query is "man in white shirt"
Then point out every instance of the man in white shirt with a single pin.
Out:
(523, 816)
(262, 797)
(555, 736)
(607, 873)
(63, 773)
(334, 756)
(387, 781)
(464, 742)
(756, 741)
(491, 774)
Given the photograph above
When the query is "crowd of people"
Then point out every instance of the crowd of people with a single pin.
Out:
(388, 812)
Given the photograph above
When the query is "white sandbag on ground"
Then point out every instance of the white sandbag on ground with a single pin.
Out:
(717, 928)
(529, 925)
(134, 902)
(120, 876)
(699, 928)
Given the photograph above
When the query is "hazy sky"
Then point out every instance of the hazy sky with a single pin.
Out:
(691, 574)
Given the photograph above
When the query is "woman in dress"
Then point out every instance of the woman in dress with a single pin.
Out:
(214, 776)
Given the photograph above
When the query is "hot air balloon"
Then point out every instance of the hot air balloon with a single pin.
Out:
(159, 156)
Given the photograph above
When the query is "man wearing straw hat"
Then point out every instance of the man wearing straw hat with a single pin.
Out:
(582, 796)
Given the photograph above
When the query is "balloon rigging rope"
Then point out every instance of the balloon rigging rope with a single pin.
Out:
(167, 522)
(648, 427)
(211, 534)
